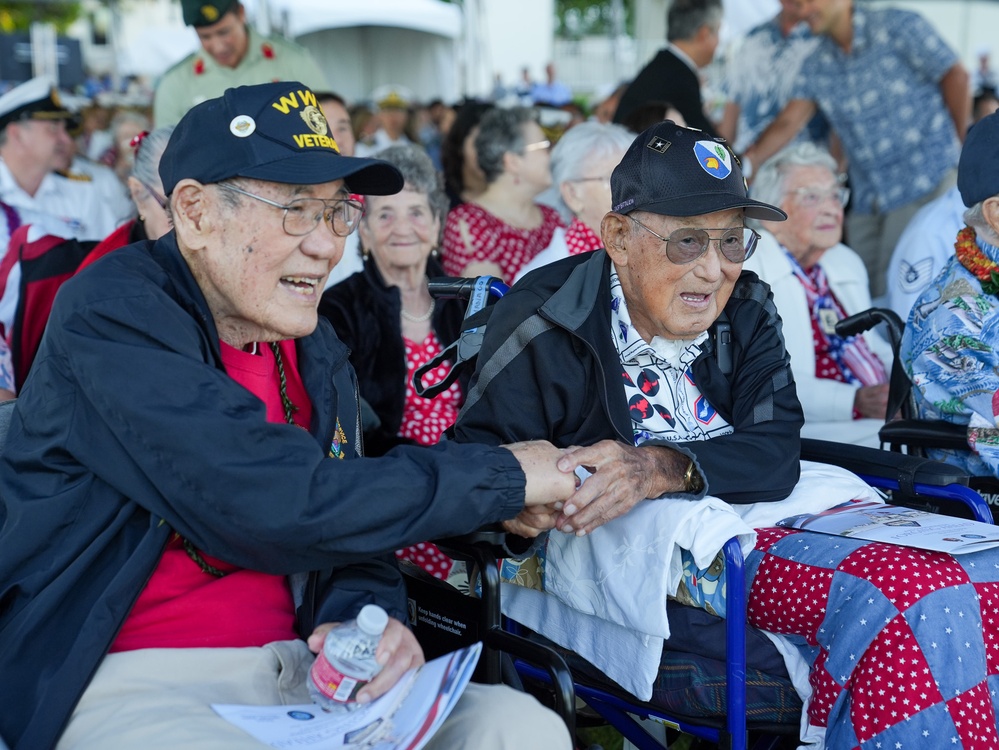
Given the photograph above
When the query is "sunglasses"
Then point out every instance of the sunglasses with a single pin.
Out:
(687, 244)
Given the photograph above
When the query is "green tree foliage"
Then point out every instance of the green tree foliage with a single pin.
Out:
(18, 15)
(579, 18)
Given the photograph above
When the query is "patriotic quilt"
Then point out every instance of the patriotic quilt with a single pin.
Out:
(903, 643)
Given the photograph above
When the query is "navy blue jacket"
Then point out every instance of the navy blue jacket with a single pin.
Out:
(548, 351)
(129, 429)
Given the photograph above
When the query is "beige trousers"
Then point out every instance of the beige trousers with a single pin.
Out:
(155, 699)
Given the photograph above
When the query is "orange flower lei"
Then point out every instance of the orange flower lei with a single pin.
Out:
(972, 258)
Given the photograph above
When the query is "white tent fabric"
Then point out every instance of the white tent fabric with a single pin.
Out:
(360, 46)
(308, 16)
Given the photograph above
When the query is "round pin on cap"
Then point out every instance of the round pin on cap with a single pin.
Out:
(242, 126)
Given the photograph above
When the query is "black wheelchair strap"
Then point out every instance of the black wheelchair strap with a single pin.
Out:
(465, 348)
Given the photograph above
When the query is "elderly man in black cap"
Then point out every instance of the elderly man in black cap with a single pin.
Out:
(232, 53)
(657, 353)
(184, 507)
(34, 147)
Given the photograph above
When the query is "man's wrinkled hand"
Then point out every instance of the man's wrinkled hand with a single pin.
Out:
(398, 651)
(622, 476)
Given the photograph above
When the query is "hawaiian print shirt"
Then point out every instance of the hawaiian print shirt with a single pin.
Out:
(883, 100)
(759, 79)
(664, 401)
(949, 352)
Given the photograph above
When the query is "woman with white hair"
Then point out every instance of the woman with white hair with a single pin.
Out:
(581, 163)
(817, 281)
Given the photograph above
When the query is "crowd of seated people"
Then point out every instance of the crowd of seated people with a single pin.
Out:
(702, 433)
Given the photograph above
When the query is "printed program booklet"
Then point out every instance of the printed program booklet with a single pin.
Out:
(404, 718)
(894, 524)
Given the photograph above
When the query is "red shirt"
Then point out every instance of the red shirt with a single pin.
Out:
(184, 607)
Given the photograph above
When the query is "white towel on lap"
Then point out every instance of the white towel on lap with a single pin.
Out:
(606, 591)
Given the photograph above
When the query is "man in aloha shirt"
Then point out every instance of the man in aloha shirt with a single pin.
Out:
(897, 96)
(949, 346)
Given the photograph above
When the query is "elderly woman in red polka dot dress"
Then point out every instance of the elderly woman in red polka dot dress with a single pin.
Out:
(386, 316)
(499, 231)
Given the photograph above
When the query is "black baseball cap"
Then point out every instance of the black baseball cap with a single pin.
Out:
(677, 171)
(978, 167)
(271, 131)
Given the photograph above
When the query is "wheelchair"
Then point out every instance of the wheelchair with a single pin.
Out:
(909, 434)
(744, 696)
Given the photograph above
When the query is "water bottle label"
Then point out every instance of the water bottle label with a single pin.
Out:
(333, 684)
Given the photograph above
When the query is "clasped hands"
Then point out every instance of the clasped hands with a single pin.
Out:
(622, 475)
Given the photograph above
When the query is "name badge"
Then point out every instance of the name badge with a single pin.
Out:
(828, 318)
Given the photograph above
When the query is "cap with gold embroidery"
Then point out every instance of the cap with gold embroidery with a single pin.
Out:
(205, 12)
(36, 99)
(270, 131)
(391, 97)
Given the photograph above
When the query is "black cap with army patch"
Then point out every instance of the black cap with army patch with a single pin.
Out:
(676, 171)
(271, 131)
(205, 12)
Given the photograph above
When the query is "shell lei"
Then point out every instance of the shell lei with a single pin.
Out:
(972, 258)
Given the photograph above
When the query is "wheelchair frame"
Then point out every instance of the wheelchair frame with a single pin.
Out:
(904, 476)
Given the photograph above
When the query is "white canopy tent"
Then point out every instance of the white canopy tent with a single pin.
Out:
(413, 43)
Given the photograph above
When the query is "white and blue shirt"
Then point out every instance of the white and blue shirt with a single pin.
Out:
(883, 99)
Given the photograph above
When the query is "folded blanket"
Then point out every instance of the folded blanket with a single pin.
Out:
(606, 591)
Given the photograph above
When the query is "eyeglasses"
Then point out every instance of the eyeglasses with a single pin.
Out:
(156, 194)
(538, 146)
(687, 244)
(811, 197)
(302, 215)
(605, 181)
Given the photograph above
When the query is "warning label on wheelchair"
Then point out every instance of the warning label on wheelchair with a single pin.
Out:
(439, 621)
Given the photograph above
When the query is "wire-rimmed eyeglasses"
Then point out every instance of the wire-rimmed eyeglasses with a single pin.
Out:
(537, 146)
(155, 194)
(302, 215)
(808, 197)
(687, 244)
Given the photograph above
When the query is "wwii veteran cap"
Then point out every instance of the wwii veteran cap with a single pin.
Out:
(270, 131)
(978, 167)
(36, 99)
(205, 12)
(677, 171)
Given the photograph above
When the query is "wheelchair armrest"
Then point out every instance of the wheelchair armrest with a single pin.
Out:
(925, 434)
(883, 464)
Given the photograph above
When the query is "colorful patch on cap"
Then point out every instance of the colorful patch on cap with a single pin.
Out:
(242, 126)
(659, 144)
(714, 158)
(303, 104)
(210, 13)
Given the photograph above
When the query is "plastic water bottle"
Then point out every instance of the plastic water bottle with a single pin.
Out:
(347, 662)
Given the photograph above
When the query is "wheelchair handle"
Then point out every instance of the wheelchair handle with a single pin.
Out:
(454, 287)
(867, 319)
(900, 398)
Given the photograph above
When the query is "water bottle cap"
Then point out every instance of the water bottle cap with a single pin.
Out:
(372, 619)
